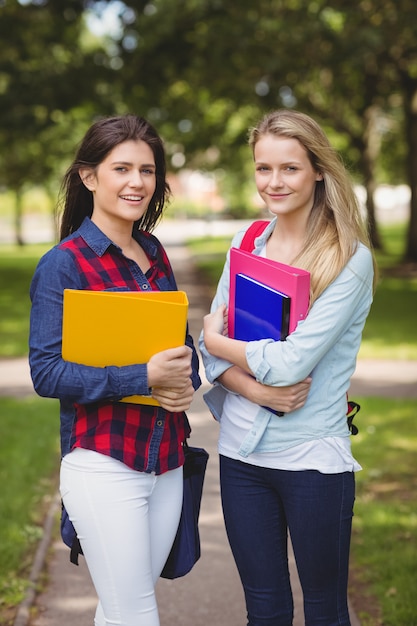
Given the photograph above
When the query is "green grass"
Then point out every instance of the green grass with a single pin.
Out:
(385, 525)
(29, 457)
(34, 201)
(390, 330)
(209, 256)
(393, 238)
(384, 543)
(17, 264)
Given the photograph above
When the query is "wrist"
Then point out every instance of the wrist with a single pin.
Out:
(254, 390)
(210, 339)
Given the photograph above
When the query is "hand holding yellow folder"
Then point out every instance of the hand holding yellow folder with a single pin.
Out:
(102, 328)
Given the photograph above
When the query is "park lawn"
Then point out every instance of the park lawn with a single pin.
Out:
(384, 539)
(390, 330)
(29, 461)
(17, 264)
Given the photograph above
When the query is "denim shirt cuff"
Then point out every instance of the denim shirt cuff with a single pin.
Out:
(255, 358)
(133, 380)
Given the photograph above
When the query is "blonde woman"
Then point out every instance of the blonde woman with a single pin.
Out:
(294, 474)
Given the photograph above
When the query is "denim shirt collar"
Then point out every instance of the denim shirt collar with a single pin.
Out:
(261, 240)
(100, 243)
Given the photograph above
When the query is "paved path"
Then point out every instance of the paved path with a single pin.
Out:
(211, 593)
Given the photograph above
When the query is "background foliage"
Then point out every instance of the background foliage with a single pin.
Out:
(203, 72)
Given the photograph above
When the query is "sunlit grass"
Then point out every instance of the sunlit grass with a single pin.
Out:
(29, 458)
(385, 523)
(34, 201)
(393, 238)
(390, 330)
(17, 264)
(384, 541)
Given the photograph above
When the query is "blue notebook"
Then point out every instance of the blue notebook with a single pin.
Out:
(261, 312)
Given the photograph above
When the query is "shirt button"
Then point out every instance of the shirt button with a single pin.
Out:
(145, 286)
(159, 423)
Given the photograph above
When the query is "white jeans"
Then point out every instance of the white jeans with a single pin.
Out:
(126, 522)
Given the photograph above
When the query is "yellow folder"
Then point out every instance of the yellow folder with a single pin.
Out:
(101, 328)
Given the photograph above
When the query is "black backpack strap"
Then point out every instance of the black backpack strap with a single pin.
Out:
(76, 550)
(353, 409)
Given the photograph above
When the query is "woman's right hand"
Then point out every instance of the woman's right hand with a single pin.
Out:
(284, 399)
(169, 375)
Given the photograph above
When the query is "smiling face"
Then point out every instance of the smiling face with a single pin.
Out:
(284, 176)
(122, 185)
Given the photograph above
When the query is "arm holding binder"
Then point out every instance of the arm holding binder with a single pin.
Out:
(113, 328)
(275, 362)
(72, 382)
(218, 369)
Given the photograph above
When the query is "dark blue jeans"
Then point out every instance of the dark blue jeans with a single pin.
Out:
(260, 506)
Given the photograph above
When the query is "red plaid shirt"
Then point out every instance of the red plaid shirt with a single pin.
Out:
(146, 438)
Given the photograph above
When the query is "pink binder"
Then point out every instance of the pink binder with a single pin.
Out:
(292, 281)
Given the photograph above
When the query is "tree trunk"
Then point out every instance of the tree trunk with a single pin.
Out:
(410, 255)
(18, 211)
(370, 154)
(55, 216)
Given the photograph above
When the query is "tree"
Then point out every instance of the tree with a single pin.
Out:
(341, 63)
(204, 70)
(46, 86)
(383, 54)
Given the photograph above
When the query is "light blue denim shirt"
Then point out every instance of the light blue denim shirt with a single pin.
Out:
(323, 346)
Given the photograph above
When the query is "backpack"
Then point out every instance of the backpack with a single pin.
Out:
(69, 536)
(248, 245)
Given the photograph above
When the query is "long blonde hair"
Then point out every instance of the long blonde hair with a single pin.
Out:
(335, 225)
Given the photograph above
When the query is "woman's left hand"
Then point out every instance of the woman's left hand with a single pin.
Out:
(217, 341)
(216, 322)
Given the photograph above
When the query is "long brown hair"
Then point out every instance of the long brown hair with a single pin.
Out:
(104, 135)
(335, 225)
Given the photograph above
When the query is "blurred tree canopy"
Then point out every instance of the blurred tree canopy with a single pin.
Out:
(203, 71)
(49, 85)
